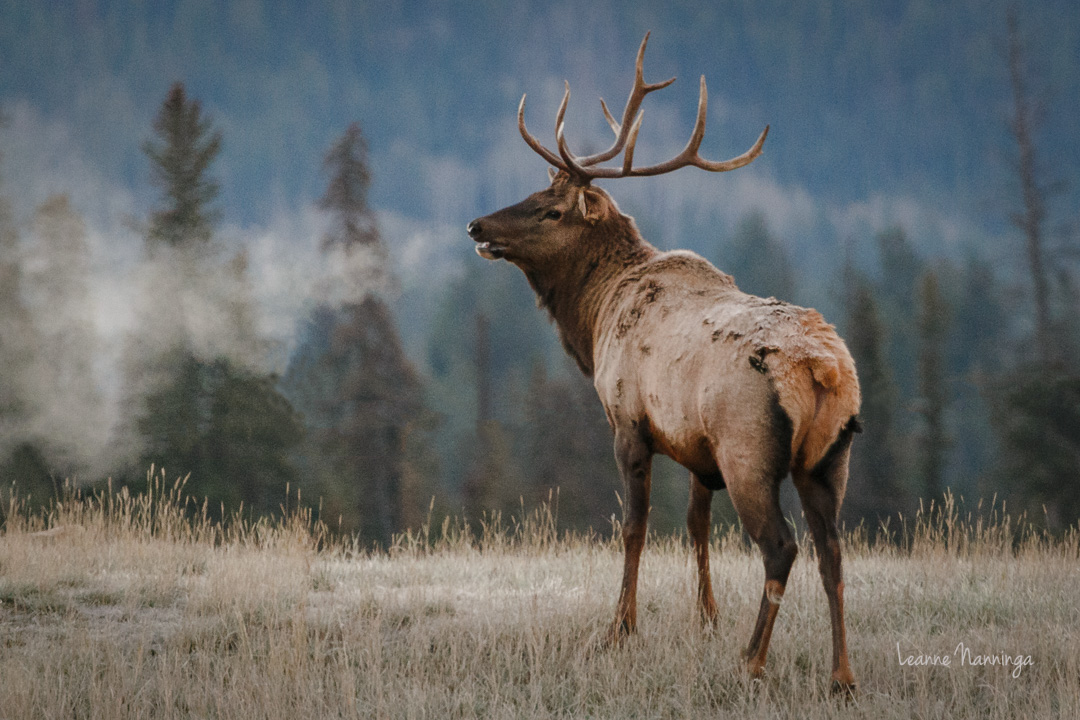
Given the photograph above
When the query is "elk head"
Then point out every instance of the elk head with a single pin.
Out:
(545, 225)
(552, 222)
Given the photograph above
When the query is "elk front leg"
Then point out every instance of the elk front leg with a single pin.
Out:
(635, 465)
(698, 517)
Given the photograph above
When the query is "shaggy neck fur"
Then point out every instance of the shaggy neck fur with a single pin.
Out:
(573, 289)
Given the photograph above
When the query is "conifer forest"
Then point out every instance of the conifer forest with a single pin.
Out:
(233, 245)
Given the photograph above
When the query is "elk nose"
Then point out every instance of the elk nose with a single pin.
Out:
(474, 229)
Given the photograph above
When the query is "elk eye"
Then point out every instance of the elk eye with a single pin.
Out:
(552, 215)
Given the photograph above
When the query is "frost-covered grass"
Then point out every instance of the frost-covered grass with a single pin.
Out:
(135, 606)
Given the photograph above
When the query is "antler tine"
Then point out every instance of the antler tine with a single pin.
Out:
(689, 154)
(561, 113)
(532, 142)
(572, 166)
(626, 134)
(633, 103)
(610, 120)
(631, 142)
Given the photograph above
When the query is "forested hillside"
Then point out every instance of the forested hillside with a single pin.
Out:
(232, 241)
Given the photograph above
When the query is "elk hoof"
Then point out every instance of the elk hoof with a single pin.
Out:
(618, 634)
(847, 689)
(708, 612)
(755, 668)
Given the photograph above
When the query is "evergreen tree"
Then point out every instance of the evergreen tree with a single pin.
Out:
(493, 482)
(69, 419)
(168, 384)
(16, 331)
(874, 491)
(245, 348)
(1035, 402)
(982, 325)
(360, 396)
(568, 449)
(173, 422)
(227, 427)
(1037, 418)
(758, 261)
(180, 159)
(933, 386)
(202, 407)
(252, 430)
(1031, 218)
(22, 463)
(345, 199)
(901, 268)
(978, 338)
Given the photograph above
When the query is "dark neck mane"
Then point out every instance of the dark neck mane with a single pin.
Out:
(573, 290)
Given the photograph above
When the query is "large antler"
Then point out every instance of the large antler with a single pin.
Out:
(626, 133)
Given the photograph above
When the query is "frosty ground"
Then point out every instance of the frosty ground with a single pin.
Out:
(123, 605)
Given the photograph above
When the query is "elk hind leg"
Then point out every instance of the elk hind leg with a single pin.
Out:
(698, 517)
(756, 499)
(821, 491)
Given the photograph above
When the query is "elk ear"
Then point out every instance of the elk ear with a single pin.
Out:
(552, 172)
(593, 205)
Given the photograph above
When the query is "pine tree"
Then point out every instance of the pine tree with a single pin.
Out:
(901, 268)
(69, 421)
(933, 387)
(568, 449)
(16, 331)
(203, 406)
(758, 261)
(345, 199)
(873, 492)
(493, 482)
(1031, 218)
(180, 160)
(360, 396)
(1035, 402)
(1037, 418)
(982, 320)
(251, 431)
(22, 464)
(168, 384)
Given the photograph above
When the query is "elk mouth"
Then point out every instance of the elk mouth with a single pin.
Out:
(490, 250)
(487, 249)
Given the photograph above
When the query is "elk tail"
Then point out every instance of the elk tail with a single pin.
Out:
(826, 372)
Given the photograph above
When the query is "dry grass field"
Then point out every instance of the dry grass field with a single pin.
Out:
(131, 606)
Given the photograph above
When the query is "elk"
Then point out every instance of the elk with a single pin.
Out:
(738, 389)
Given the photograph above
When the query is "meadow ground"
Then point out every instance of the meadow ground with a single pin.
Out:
(119, 606)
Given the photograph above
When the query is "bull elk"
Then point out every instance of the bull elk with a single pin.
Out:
(739, 389)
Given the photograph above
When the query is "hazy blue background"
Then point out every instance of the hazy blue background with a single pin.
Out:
(882, 114)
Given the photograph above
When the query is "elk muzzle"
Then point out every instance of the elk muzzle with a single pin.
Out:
(485, 247)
